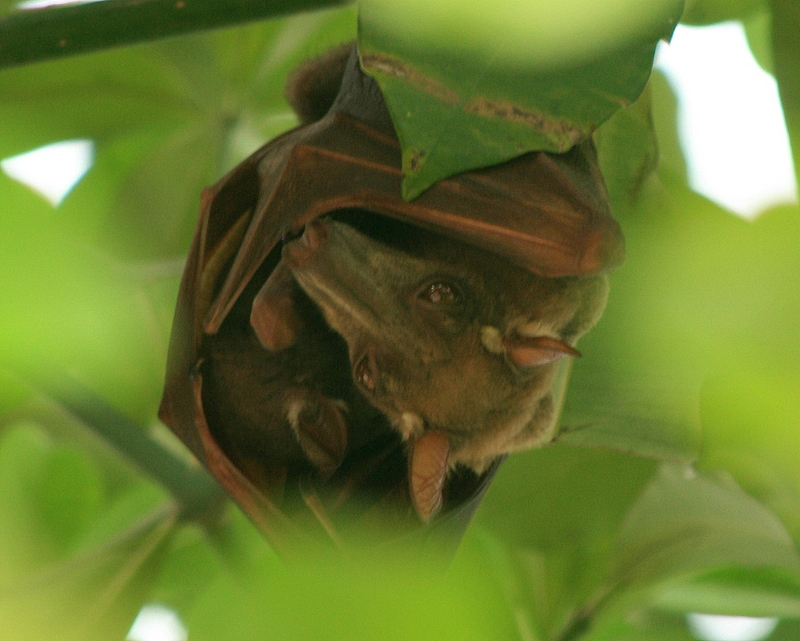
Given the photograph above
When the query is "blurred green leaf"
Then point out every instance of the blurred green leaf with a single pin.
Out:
(497, 90)
(378, 595)
(92, 596)
(758, 28)
(750, 420)
(708, 11)
(23, 453)
(69, 307)
(68, 494)
(665, 119)
(655, 438)
(550, 520)
(189, 567)
(786, 58)
(735, 591)
(627, 150)
(787, 630)
(639, 625)
(123, 512)
(167, 119)
(685, 523)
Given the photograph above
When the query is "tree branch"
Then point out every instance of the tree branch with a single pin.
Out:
(53, 32)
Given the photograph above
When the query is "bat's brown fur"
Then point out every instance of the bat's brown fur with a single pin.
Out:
(287, 412)
(443, 366)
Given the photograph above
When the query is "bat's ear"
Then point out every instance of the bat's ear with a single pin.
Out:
(530, 351)
(312, 88)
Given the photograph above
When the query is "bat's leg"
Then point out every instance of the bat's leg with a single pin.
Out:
(274, 317)
(320, 427)
(427, 470)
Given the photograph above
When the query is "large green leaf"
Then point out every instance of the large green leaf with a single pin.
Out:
(550, 520)
(474, 84)
(685, 523)
(693, 543)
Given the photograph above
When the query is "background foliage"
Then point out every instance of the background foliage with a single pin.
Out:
(675, 488)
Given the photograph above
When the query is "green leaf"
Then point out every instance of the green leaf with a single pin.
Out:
(507, 83)
(94, 595)
(758, 29)
(550, 520)
(188, 568)
(639, 625)
(23, 452)
(750, 421)
(787, 630)
(736, 591)
(685, 523)
(707, 11)
(383, 594)
(627, 150)
(633, 412)
(68, 495)
(665, 122)
(786, 57)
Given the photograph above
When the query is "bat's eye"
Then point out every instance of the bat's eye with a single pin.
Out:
(440, 293)
(364, 374)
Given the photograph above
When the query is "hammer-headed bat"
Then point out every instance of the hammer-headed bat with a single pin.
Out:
(445, 338)
(389, 341)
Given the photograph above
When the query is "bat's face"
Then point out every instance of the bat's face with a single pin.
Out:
(446, 337)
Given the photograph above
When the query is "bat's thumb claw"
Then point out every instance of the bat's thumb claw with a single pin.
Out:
(427, 470)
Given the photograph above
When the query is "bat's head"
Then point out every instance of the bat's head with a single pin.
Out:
(444, 336)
